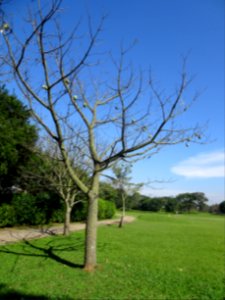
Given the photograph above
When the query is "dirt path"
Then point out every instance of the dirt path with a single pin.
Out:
(12, 235)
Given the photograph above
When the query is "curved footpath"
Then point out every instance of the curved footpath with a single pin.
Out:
(12, 235)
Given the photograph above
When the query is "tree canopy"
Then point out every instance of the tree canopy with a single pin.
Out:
(17, 138)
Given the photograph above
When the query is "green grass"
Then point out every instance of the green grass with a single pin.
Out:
(158, 256)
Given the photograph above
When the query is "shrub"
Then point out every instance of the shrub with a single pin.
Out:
(106, 209)
(7, 215)
(58, 216)
(79, 212)
(27, 209)
(27, 212)
(101, 209)
(51, 205)
(110, 210)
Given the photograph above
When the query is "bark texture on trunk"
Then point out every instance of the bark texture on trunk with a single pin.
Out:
(90, 261)
(66, 229)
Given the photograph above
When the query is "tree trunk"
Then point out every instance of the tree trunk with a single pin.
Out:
(90, 261)
(121, 221)
(66, 229)
(123, 212)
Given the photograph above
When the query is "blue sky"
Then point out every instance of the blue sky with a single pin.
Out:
(166, 30)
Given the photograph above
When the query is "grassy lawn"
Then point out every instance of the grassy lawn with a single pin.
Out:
(158, 256)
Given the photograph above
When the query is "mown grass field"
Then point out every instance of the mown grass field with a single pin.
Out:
(159, 256)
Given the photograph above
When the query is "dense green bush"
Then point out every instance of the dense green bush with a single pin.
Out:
(58, 216)
(7, 215)
(101, 208)
(17, 138)
(110, 210)
(79, 212)
(109, 193)
(50, 204)
(106, 209)
(27, 211)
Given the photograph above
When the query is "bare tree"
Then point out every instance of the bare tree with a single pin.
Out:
(120, 116)
(49, 172)
(121, 181)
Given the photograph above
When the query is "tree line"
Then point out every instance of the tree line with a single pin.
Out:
(182, 203)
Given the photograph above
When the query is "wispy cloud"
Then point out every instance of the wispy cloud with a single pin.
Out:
(203, 165)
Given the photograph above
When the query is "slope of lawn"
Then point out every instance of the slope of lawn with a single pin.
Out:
(159, 256)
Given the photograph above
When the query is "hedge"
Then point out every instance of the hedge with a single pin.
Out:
(27, 209)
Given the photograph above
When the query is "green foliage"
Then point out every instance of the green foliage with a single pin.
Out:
(110, 210)
(7, 215)
(27, 211)
(109, 193)
(58, 216)
(48, 203)
(79, 212)
(222, 207)
(106, 209)
(158, 256)
(187, 202)
(35, 209)
(101, 209)
(32, 179)
(133, 200)
(171, 205)
(17, 137)
(151, 204)
(43, 208)
(191, 202)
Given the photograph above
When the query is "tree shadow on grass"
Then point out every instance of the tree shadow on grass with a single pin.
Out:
(11, 294)
(48, 251)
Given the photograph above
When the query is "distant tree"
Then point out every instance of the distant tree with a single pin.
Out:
(222, 207)
(200, 200)
(171, 204)
(109, 193)
(186, 202)
(121, 181)
(134, 200)
(191, 201)
(17, 139)
(214, 208)
(48, 173)
(150, 204)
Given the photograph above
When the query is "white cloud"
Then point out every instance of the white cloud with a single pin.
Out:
(203, 165)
